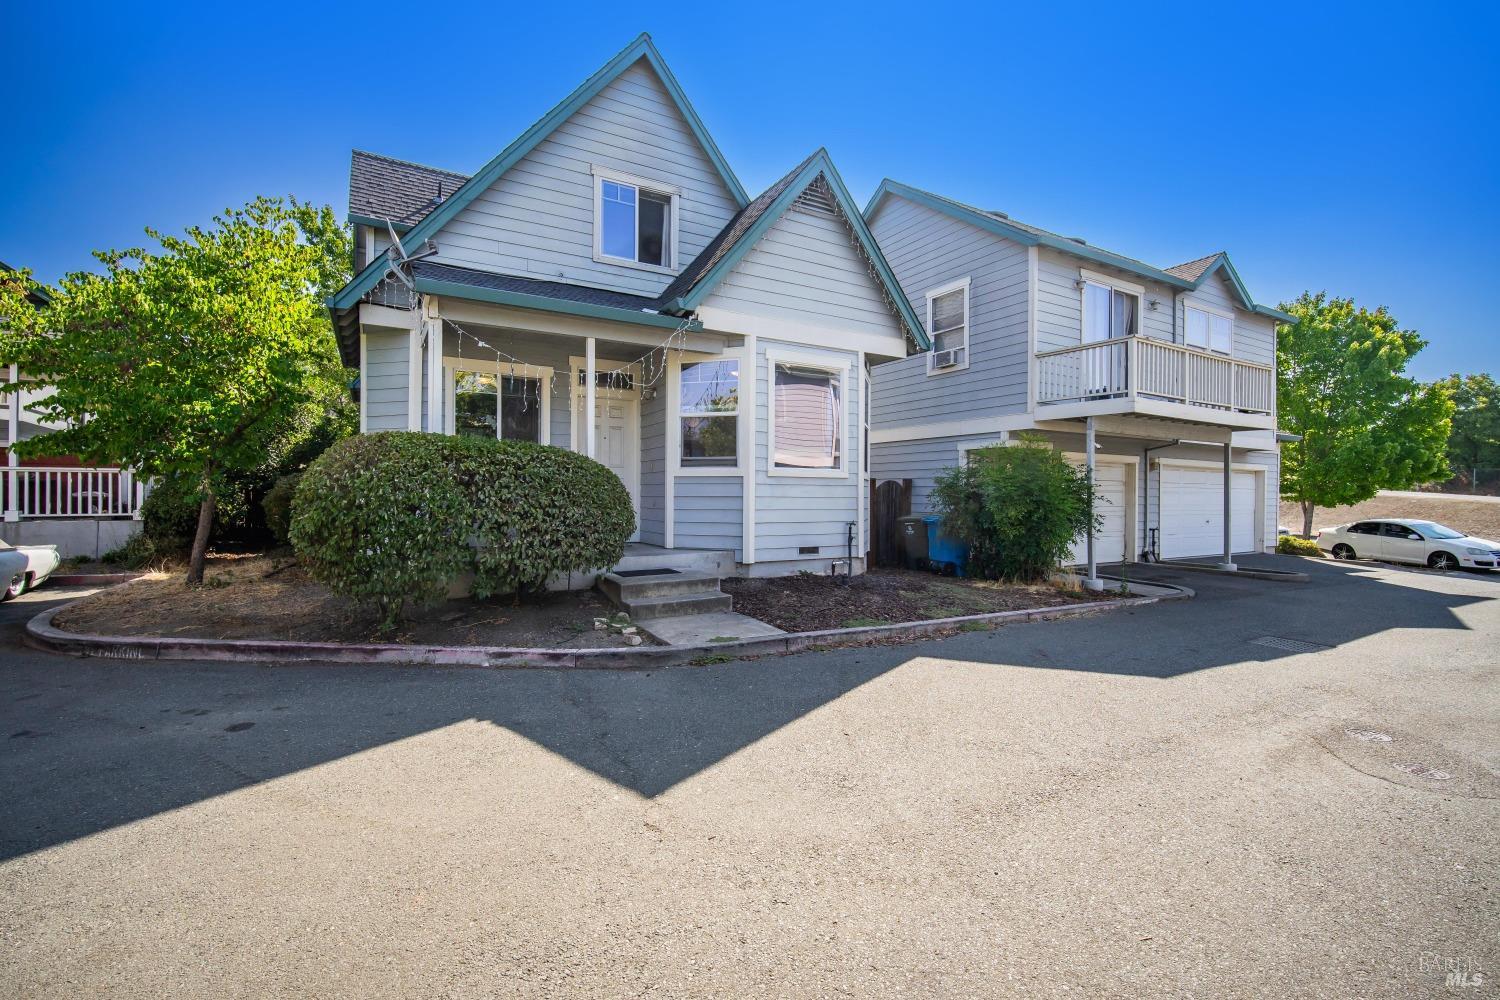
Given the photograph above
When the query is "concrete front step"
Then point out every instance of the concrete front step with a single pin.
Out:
(623, 589)
(719, 563)
(699, 602)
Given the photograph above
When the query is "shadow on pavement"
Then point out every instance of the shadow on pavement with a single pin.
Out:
(91, 744)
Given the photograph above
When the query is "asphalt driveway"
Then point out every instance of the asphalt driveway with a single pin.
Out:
(1183, 800)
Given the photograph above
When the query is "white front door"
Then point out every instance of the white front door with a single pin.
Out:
(617, 440)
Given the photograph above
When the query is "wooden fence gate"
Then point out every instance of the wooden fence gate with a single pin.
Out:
(888, 501)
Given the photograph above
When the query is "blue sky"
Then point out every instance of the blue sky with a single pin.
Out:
(1352, 149)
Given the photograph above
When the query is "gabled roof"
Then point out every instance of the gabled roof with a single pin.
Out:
(382, 188)
(696, 281)
(1187, 276)
(641, 48)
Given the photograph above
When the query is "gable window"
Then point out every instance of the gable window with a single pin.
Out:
(709, 407)
(635, 220)
(948, 326)
(807, 420)
(1208, 331)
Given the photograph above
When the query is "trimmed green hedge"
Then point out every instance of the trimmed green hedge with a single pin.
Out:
(397, 516)
(1291, 545)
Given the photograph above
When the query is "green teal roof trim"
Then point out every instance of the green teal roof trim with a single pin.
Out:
(694, 285)
(1031, 236)
(522, 300)
(402, 228)
(641, 48)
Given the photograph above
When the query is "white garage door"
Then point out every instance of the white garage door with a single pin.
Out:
(1192, 511)
(1109, 542)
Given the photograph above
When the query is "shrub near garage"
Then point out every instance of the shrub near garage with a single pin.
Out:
(381, 518)
(1291, 545)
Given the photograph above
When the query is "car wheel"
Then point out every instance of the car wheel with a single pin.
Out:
(1443, 562)
(16, 589)
(1342, 551)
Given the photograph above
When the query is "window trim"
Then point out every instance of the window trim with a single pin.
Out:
(1210, 310)
(500, 370)
(939, 292)
(1086, 278)
(599, 175)
(833, 364)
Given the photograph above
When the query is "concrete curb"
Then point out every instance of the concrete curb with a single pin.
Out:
(91, 579)
(1279, 575)
(42, 634)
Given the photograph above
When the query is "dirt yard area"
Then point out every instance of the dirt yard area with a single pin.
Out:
(263, 597)
(1479, 517)
(808, 603)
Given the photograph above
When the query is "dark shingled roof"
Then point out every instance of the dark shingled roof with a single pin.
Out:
(729, 236)
(531, 286)
(1193, 269)
(384, 188)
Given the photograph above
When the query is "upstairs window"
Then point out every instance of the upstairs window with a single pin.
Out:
(948, 326)
(1209, 331)
(634, 221)
(1109, 313)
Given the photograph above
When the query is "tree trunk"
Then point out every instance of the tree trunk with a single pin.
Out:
(200, 537)
(1307, 513)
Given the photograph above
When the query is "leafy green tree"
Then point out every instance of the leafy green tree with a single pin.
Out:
(191, 361)
(1018, 509)
(1365, 425)
(1474, 442)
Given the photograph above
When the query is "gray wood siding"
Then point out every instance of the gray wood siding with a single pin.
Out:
(708, 513)
(1059, 313)
(920, 461)
(793, 511)
(1254, 337)
(537, 220)
(806, 267)
(654, 469)
(385, 390)
(927, 250)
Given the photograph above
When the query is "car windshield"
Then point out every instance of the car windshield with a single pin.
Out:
(1431, 529)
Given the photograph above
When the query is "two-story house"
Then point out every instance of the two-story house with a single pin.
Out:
(605, 284)
(1161, 379)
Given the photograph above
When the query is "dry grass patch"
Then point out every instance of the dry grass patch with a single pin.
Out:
(270, 597)
(1474, 517)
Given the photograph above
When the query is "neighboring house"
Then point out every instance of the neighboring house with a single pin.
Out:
(1170, 369)
(605, 284)
(56, 500)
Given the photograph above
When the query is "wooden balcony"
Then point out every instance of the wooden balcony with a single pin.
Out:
(1155, 378)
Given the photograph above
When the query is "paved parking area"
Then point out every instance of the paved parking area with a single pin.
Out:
(1271, 790)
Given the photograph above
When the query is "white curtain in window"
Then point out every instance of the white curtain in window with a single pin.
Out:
(1095, 313)
(1197, 328)
(808, 418)
(1218, 333)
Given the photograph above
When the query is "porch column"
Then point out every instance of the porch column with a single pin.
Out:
(436, 396)
(414, 373)
(12, 478)
(1091, 581)
(1228, 563)
(588, 396)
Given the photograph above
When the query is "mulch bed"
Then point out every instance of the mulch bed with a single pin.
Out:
(809, 603)
(265, 597)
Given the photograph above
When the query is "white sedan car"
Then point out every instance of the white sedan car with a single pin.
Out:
(1401, 539)
(24, 568)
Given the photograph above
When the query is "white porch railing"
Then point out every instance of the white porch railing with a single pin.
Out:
(1139, 366)
(35, 491)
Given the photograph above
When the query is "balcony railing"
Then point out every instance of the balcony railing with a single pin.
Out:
(1154, 369)
(35, 491)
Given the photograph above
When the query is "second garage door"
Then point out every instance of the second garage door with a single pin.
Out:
(1192, 511)
(1109, 543)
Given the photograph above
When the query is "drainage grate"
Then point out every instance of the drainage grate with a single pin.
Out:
(646, 572)
(1289, 645)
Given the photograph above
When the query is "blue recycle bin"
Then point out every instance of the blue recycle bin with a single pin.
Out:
(945, 554)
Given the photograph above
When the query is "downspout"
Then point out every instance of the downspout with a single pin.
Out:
(1152, 552)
